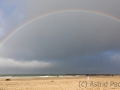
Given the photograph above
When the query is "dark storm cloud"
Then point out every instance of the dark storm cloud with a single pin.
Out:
(66, 42)
(64, 35)
(89, 64)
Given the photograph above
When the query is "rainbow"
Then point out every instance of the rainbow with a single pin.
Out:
(16, 30)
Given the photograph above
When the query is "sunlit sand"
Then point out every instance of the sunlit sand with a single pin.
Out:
(62, 83)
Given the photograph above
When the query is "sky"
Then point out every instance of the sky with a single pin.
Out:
(59, 37)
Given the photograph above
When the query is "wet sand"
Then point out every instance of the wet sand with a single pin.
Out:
(62, 83)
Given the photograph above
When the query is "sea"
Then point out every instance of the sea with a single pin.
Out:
(35, 75)
(31, 75)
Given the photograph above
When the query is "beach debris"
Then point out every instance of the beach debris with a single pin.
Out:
(52, 81)
(8, 79)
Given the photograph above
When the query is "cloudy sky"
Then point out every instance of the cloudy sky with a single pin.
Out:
(84, 40)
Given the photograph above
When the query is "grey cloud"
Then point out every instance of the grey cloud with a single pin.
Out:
(64, 35)
(71, 42)
(10, 66)
(89, 64)
(97, 63)
(38, 7)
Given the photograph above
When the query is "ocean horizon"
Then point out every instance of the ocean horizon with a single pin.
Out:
(31, 75)
(51, 75)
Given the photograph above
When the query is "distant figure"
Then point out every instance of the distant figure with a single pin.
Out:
(88, 78)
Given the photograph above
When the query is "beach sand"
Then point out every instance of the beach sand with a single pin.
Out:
(62, 83)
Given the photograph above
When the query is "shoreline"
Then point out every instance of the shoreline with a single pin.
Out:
(59, 83)
(56, 77)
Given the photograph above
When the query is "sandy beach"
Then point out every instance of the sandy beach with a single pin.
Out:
(62, 83)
